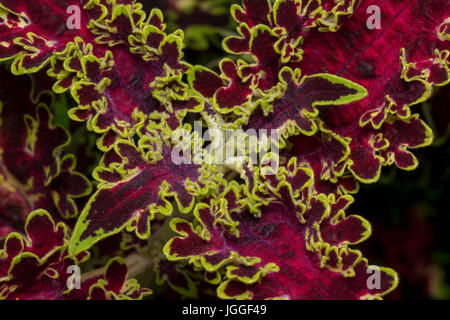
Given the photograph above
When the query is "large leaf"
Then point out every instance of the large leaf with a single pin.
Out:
(294, 109)
(291, 34)
(295, 250)
(112, 64)
(133, 189)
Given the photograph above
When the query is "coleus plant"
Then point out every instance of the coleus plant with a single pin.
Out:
(339, 95)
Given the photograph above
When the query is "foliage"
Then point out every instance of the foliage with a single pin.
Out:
(339, 95)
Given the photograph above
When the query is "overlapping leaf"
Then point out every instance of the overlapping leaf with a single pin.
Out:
(135, 184)
(33, 173)
(112, 64)
(297, 249)
(291, 34)
(38, 267)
